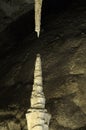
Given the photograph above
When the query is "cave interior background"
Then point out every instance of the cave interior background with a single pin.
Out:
(62, 45)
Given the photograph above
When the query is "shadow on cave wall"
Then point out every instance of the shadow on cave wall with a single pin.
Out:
(54, 6)
(12, 37)
(17, 91)
(20, 28)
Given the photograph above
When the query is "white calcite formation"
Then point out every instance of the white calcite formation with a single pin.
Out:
(37, 116)
(38, 8)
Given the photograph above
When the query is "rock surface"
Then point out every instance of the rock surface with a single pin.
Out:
(62, 46)
(10, 10)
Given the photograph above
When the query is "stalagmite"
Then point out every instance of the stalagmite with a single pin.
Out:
(38, 8)
(37, 116)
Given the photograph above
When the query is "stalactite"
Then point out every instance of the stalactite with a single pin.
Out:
(38, 8)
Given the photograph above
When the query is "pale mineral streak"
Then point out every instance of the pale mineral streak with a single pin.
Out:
(38, 8)
(37, 116)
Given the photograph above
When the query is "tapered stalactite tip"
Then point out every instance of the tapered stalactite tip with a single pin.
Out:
(38, 34)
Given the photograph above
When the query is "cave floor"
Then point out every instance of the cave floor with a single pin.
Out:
(62, 45)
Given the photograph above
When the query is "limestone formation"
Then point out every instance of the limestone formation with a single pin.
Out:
(37, 116)
(38, 7)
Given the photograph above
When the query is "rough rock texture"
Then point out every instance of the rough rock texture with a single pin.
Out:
(62, 46)
(10, 10)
